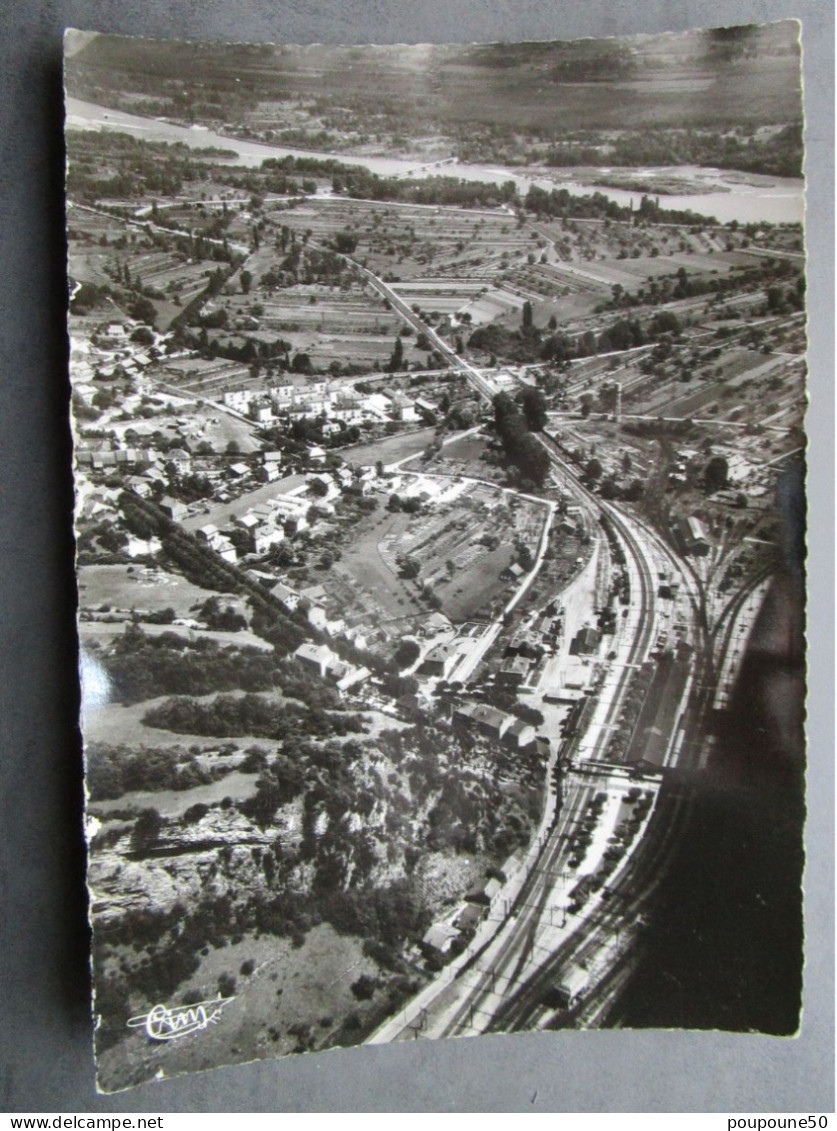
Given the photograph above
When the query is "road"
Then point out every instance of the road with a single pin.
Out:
(484, 387)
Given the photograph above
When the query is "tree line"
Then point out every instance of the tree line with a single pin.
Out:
(519, 445)
(199, 563)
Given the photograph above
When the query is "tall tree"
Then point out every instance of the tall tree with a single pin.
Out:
(396, 361)
(715, 476)
(533, 403)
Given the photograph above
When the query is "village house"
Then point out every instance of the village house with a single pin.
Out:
(525, 643)
(113, 335)
(694, 537)
(238, 400)
(484, 891)
(99, 460)
(322, 660)
(585, 642)
(143, 547)
(247, 521)
(436, 624)
(441, 660)
(488, 720)
(316, 594)
(317, 617)
(289, 597)
(265, 536)
(519, 735)
(222, 546)
(514, 572)
(440, 937)
(401, 408)
(180, 459)
(316, 656)
(172, 508)
(321, 482)
(513, 673)
(469, 918)
(138, 485)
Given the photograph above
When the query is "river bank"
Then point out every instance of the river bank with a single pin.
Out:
(725, 194)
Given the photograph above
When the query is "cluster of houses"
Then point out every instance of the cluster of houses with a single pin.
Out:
(532, 640)
(109, 353)
(462, 920)
(338, 402)
(497, 725)
(265, 525)
(101, 459)
(328, 665)
(678, 475)
(286, 514)
(313, 600)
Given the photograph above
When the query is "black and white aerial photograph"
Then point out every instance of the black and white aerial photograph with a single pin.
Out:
(438, 423)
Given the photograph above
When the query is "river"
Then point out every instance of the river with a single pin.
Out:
(777, 200)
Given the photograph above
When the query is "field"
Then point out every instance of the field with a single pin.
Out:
(452, 545)
(475, 590)
(143, 589)
(411, 242)
(366, 585)
(345, 323)
(390, 451)
(123, 725)
(440, 260)
(461, 456)
(207, 377)
(205, 424)
(306, 987)
(743, 385)
(174, 803)
(103, 631)
(171, 272)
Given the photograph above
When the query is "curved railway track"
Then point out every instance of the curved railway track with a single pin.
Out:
(514, 952)
(506, 984)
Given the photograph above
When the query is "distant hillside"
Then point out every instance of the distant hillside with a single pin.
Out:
(753, 76)
(484, 101)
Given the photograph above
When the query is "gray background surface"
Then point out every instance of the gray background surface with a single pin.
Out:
(45, 1037)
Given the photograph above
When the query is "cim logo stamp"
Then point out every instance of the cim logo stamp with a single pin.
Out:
(164, 1023)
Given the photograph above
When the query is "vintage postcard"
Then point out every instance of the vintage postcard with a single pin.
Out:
(438, 418)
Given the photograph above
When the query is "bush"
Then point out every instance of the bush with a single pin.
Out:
(146, 831)
(407, 653)
(226, 985)
(364, 988)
